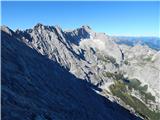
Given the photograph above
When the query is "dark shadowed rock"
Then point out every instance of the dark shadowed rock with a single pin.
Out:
(37, 88)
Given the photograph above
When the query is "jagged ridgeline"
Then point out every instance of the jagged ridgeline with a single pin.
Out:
(51, 74)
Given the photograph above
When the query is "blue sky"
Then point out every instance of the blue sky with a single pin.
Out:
(113, 18)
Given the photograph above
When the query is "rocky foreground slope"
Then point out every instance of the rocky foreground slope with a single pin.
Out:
(48, 73)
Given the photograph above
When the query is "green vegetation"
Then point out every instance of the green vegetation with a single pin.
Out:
(103, 58)
(148, 59)
(123, 88)
(115, 76)
(109, 59)
(126, 62)
(149, 96)
(108, 74)
(119, 89)
(132, 84)
(136, 85)
(144, 88)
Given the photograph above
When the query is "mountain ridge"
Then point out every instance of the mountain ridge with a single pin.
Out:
(150, 41)
(99, 60)
(34, 88)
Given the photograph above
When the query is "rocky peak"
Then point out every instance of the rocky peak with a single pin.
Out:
(6, 30)
(86, 28)
(38, 25)
(75, 36)
(58, 28)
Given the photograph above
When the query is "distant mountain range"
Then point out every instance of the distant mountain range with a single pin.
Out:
(152, 42)
(52, 74)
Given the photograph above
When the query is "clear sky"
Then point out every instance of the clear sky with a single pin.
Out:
(113, 18)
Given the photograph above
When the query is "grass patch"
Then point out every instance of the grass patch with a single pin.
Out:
(119, 89)
(108, 59)
(136, 85)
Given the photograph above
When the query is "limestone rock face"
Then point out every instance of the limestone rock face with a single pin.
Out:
(88, 62)
(84, 52)
(72, 49)
(35, 87)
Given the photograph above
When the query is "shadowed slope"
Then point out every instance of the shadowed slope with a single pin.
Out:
(36, 88)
